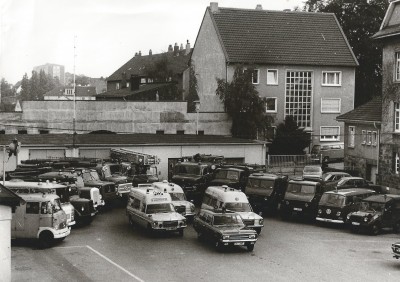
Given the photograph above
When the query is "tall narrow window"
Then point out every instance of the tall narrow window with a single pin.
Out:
(272, 77)
(270, 105)
(374, 138)
(397, 117)
(352, 130)
(397, 67)
(397, 163)
(369, 137)
(256, 76)
(364, 137)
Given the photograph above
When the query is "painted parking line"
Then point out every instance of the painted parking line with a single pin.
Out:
(105, 258)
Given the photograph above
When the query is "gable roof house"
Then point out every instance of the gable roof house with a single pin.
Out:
(139, 78)
(389, 147)
(67, 93)
(303, 64)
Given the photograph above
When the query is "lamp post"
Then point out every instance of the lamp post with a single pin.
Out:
(197, 105)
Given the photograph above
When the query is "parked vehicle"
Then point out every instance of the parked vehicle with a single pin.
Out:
(377, 212)
(334, 206)
(266, 191)
(334, 176)
(396, 250)
(302, 198)
(357, 182)
(112, 172)
(312, 172)
(224, 228)
(233, 200)
(154, 211)
(23, 187)
(41, 217)
(107, 189)
(178, 198)
(327, 152)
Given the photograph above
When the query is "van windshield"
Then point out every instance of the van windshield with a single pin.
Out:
(227, 174)
(332, 200)
(300, 188)
(372, 206)
(238, 207)
(159, 208)
(187, 169)
(178, 196)
(56, 205)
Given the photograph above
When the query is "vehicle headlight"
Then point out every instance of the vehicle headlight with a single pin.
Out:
(319, 211)
(155, 223)
(365, 219)
(348, 216)
(306, 205)
(83, 208)
(261, 221)
(338, 213)
(100, 197)
(225, 237)
(253, 236)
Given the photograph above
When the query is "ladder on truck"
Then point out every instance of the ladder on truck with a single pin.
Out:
(134, 157)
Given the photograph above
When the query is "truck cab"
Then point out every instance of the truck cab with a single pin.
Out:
(108, 190)
(112, 172)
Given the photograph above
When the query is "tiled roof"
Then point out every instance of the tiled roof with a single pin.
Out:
(9, 198)
(138, 64)
(124, 92)
(276, 37)
(369, 112)
(119, 139)
(387, 31)
(80, 91)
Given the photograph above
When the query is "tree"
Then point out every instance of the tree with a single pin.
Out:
(289, 139)
(193, 87)
(7, 89)
(243, 104)
(359, 19)
(25, 88)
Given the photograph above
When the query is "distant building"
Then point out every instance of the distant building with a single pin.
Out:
(67, 93)
(54, 70)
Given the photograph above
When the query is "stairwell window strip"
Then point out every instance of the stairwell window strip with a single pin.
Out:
(397, 117)
(374, 138)
(352, 130)
(256, 76)
(397, 164)
(364, 137)
(397, 70)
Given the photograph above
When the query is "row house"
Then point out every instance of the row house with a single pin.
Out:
(304, 66)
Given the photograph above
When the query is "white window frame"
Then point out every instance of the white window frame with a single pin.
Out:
(276, 105)
(374, 138)
(258, 76)
(128, 85)
(397, 164)
(369, 138)
(364, 137)
(335, 73)
(397, 67)
(351, 136)
(396, 117)
(331, 112)
(117, 86)
(322, 138)
(276, 74)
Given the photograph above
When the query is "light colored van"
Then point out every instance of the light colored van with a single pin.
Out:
(154, 211)
(327, 152)
(178, 198)
(233, 200)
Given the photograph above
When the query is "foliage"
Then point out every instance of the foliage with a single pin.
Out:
(243, 104)
(359, 19)
(289, 139)
(6, 89)
(193, 88)
(35, 87)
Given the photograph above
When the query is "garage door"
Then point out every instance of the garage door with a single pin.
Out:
(46, 153)
(95, 153)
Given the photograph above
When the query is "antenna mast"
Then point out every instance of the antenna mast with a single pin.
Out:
(74, 118)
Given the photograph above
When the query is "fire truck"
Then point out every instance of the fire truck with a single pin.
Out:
(140, 168)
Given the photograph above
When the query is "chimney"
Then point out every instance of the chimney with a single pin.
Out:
(136, 54)
(170, 49)
(135, 82)
(176, 49)
(181, 47)
(187, 47)
(259, 7)
(214, 7)
(150, 52)
(140, 53)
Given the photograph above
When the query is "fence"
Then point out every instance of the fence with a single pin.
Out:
(288, 164)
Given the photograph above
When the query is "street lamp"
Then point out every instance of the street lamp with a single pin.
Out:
(197, 105)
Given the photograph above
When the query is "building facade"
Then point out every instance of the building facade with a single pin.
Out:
(54, 70)
(312, 82)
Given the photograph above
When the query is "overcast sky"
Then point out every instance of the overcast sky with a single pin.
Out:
(107, 32)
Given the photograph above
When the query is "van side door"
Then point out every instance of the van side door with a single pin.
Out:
(32, 219)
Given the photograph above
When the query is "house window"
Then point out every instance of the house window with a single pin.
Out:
(2, 131)
(397, 163)
(364, 137)
(43, 131)
(256, 76)
(330, 105)
(117, 86)
(374, 138)
(22, 131)
(397, 117)
(127, 85)
(160, 132)
(397, 70)
(270, 105)
(298, 97)
(352, 130)
(272, 77)
(331, 78)
(142, 81)
(369, 137)
(329, 133)
(200, 132)
(69, 91)
(271, 131)
(180, 132)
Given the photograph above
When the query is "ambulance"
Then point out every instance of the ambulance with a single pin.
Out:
(41, 217)
(233, 200)
(178, 198)
(153, 210)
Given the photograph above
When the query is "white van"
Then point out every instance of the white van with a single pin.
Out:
(327, 152)
(178, 198)
(154, 211)
(234, 200)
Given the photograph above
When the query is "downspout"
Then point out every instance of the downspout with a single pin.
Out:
(378, 148)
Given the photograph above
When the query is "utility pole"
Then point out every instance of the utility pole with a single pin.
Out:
(74, 114)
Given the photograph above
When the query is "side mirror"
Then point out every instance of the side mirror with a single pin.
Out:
(149, 215)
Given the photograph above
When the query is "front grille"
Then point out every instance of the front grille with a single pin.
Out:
(170, 224)
(95, 196)
(238, 237)
(359, 219)
(109, 188)
(248, 221)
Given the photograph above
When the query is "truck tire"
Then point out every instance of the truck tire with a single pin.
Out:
(375, 229)
(250, 248)
(46, 239)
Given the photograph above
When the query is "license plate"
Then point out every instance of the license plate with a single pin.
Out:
(170, 228)
(297, 209)
(355, 223)
(239, 243)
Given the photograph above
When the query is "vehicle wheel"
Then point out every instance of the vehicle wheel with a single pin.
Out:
(180, 232)
(250, 248)
(258, 230)
(396, 227)
(218, 245)
(285, 215)
(46, 239)
(354, 229)
(375, 229)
